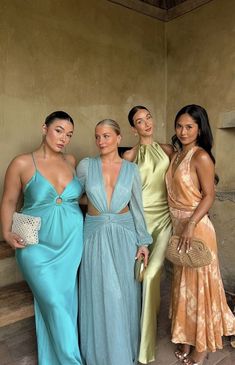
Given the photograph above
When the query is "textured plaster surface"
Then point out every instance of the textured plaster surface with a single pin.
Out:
(201, 70)
(90, 58)
(95, 60)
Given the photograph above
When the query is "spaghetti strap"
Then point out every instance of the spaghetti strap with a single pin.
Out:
(34, 162)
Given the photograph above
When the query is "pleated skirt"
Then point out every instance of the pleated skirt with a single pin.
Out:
(109, 296)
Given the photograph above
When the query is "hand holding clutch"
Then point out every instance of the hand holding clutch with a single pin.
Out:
(197, 256)
(27, 227)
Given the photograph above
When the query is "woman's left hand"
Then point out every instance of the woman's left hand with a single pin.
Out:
(186, 238)
(143, 251)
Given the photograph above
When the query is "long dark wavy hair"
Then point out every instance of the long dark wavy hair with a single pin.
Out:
(200, 116)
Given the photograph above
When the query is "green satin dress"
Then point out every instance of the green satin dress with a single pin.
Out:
(153, 164)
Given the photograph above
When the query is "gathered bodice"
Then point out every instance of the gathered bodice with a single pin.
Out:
(127, 192)
(90, 172)
(153, 164)
(40, 193)
(50, 267)
(182, 192)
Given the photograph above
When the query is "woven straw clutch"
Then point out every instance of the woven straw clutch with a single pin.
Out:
(199, 255)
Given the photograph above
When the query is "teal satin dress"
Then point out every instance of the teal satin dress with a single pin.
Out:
(109, 295)
(50, 268)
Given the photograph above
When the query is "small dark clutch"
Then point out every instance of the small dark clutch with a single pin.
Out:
(139, 269)
(199, 254)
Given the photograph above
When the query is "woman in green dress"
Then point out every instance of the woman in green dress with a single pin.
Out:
(153, 160)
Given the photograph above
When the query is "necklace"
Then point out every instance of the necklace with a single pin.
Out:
(180, 155)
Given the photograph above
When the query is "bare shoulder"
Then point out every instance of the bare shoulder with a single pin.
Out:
(21, 162)
(203, 163)
(20, 166)
(201, 157)
(71, 159)
(130, 155)
(168, 149)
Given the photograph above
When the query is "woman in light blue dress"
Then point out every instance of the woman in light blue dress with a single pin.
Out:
(51, 191)
(114, 233)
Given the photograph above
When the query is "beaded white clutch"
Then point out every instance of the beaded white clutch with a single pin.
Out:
(27, 227)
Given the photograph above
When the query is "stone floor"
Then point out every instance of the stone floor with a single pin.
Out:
(165, 350)
(18, 343)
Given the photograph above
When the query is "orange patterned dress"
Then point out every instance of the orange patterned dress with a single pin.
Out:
(199, 311)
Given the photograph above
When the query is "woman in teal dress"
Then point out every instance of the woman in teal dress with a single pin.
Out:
(50, 191)
(114, 233)
(153, 161)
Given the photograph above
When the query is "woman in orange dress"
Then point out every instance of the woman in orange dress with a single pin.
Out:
(199, 311)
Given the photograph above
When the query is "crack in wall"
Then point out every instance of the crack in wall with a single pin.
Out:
(225, 195)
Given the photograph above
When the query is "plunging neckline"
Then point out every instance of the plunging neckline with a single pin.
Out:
(173, 174)
(49, 183)
(103, 183)
(53, 186)
(47, 180)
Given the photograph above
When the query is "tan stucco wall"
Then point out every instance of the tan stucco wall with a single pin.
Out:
(91, 58)
(95, 59)
(201, 69)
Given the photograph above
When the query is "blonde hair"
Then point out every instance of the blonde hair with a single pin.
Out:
(112, 124)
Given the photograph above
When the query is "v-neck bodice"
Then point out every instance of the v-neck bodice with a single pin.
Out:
(50, 267)
(110, 245)
(127, 191)
(182, 193)
(95, 187)
(101, 178)
(39, 191)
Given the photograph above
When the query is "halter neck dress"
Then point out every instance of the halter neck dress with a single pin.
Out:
(199, 311)
(50, 267)
(153, 163)
(108, 293)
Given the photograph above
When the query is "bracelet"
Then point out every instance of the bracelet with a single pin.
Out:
(192, 222)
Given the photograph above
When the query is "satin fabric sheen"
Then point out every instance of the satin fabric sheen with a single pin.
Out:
(108, 293)
(199, 311)
(153, 164)
(50, 268)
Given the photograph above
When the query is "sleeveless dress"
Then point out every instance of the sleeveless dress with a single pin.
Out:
(153, 164)
(50, 268)
(108, 293)
(199, 311)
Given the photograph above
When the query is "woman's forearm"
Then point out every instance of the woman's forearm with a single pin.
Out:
(7, 209)
(202, 209)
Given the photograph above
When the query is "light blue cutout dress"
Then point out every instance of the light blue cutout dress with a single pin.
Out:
(108, 293)
(50, 268)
